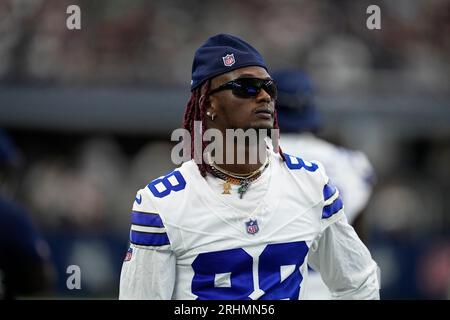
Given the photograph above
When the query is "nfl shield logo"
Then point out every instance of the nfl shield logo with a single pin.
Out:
(252, 226)
(228, 60)
(128, 255)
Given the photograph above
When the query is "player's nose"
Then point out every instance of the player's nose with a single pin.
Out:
(263, 96)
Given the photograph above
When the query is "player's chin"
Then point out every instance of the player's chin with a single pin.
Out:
(262, 124)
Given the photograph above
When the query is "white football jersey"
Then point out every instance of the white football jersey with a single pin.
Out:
(189, 241)
(349, 170)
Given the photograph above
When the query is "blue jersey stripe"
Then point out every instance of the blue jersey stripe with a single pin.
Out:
(146, 219)
(331, 209)
(149, 239)
(328, 191)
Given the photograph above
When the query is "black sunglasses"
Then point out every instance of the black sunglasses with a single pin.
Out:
(248, 87)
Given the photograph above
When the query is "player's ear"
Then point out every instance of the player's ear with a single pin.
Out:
(210, 105)
(209, 101)
(204, 99)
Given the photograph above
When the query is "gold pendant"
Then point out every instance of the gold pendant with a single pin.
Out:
(226, 187)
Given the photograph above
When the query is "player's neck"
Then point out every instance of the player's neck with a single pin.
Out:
(255, 157)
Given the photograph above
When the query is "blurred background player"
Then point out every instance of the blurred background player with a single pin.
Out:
(350, 170)
(25, 270)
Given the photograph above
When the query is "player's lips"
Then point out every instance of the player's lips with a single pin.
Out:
(264, 112)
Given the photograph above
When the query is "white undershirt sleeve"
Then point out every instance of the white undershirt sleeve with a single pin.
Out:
(149, 275)
(345, 263)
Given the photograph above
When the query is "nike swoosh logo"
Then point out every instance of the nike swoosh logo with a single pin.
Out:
(139, 200)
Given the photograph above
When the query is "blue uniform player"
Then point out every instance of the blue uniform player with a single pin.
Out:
(24, 255)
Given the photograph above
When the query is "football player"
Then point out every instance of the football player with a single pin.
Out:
(211, 230)
(349, 170)
(26, 270)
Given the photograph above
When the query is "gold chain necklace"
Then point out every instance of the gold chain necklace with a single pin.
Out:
(242, 180)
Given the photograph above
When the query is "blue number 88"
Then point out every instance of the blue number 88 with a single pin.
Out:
(278, 268)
